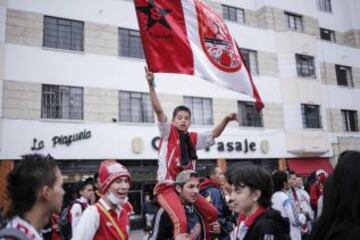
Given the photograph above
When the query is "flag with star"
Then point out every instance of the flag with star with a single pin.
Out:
(188, 37)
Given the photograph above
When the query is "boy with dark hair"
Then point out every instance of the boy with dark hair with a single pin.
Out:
(211, 190)
(252, 188)
(177, 152)
(187, 188)
(35, 189)
(86, 194)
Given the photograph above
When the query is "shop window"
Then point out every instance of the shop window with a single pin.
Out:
(63, 33)
(61, 102)
(248, 114)
(311, 116)
(135, 107)
(130, 44)
(201, 110)
(350, 120)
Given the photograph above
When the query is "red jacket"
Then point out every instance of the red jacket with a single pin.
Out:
(106, 231)
(170, 156)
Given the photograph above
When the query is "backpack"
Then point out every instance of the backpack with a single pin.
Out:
(64, 221)
(12, 233)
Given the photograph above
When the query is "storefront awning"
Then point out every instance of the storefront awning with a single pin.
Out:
(305, 166)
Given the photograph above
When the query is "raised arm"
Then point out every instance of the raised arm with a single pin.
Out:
(154, 98)
(216, 132)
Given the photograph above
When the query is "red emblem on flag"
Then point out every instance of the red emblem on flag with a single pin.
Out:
(216, 40)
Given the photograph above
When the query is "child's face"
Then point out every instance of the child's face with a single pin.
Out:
(182, 120)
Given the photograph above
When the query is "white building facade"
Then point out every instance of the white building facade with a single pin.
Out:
(73, 86)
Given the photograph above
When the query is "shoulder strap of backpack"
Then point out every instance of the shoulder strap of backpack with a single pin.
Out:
(12, 232)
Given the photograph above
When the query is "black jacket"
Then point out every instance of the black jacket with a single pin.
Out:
(342, 231)
(270, 225)
(163, 227)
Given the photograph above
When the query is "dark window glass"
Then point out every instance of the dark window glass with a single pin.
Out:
(233, 14)
(294, 22)
(344, 75)
(311, 116)
(63, 34)
(61, 102)
(305, 66)
(251, 60)
(135, 107)
(201, 110)
(325, 5)
(327, 34)
(249, 116)
(130, 44)
(350, 120)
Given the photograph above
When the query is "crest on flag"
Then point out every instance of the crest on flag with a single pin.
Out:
(216, 40)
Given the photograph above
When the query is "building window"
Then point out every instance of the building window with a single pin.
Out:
(233, 14)
(130, 44)
(248, 115)
(344, 75)
(251, 60)
(350, 120)
(294, 22)
(325, 5)
(311, 116)
(201, 110)
(135, 107)
(61, 102)
(327, 34)
(63, 33)
(305, 66)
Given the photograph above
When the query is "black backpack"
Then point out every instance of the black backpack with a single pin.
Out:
(64, 221)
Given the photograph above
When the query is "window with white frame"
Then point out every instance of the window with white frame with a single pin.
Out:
(61, 102)
(327, 34)
(325, 5)
(294, 22)
(350, 120)
(233, 14)
(250, 58)
(201, 110)
(63, 33)
(248, 115)
(305, 66)
(311, 116)
(344, 75)
(135, 107)
(130, 44)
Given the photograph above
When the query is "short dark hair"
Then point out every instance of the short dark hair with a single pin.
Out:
(181, 108)
(30, 174)
(279, 178)
(210, 170)
(256, 178)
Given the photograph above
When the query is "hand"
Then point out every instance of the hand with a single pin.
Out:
(232, 117)
(149, 76)
(183, 236)
(215, 227)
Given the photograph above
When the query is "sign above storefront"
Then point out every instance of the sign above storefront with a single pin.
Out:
(62, 140)
(244, 146)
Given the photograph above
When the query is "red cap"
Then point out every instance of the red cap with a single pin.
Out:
(109, 171)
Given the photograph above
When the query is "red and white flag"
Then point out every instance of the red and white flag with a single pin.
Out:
(188, 37)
